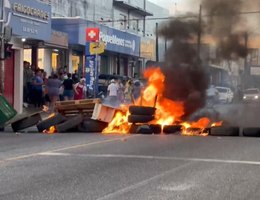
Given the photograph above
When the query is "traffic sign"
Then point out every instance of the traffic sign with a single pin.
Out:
(96, 48)
(92, 34)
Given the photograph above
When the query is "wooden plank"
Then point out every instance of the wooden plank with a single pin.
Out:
(75, 107)
(74, 102)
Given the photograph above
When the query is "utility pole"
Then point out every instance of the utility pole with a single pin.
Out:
(2, 53)
(157, 42)
(199, 34)
(246, 67)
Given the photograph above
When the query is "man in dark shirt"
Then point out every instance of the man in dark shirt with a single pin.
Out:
(68, 88)
(75, 77)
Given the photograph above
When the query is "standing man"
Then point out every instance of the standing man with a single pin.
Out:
(37, 91)
(27, 78)
(112, 93)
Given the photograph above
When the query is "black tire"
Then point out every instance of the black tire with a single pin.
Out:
(2, 128)
(133, 129)
(92, 126)
(144, 129)
(140, 118)
(142, 110)
(26, 122)
(171, 129)
(251, 132)
(224, 131)
(69, 124)
(156, 128)
(52, 121)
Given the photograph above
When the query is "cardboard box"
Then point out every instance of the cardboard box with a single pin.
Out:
(103, 113)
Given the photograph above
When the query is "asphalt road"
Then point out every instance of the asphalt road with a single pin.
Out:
(93, 166)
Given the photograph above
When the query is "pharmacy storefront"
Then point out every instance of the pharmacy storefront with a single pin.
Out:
(121, 52)
(121, 48)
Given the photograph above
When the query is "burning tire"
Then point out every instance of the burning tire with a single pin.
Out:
(92, 126)
(69, 124)
(251, 132)
(133, 129)
(170, 129)
(156, 128)
(140, 118)
(26, 122)
(52, 121)
(144, 129)
(224, 131)
(142, 110)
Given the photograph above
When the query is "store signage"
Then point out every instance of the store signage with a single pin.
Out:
(19, 8)
(119, 40)
(90, 71)
(92, 34)
(29, 18)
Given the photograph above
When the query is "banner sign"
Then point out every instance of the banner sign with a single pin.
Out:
(90, 71)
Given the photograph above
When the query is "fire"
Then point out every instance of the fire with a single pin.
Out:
(119, 124)
(196, 128)
(51, 130)
(168, 112)
(217, 124)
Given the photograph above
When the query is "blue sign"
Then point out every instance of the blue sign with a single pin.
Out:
(115, 40)
(118, 41)
(90, 72)
(29, 18)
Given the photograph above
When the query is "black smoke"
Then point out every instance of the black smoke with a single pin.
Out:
(186, 78)
(225, 24)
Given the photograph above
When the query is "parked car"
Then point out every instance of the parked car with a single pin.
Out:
(225, 94)
(251, 95)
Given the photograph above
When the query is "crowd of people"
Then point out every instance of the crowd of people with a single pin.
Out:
(41, 90)
(118, 92)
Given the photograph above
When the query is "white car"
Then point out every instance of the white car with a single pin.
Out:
(251, 95)
(225, 94)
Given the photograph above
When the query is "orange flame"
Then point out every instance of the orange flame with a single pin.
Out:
(217, 124)
(196, 128)
(168, 112)
(51, 130)
(119, 124)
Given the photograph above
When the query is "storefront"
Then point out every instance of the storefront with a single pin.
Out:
(30, 21)
(121, 52)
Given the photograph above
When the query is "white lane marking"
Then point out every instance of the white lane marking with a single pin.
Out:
(53, 154)
(171, 158)
(64, 148)
(142, 183)
(125, 156)
(173, 188)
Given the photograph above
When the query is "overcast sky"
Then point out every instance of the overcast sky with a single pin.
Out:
(178, 6)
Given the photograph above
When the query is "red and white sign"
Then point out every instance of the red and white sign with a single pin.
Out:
(92, 34)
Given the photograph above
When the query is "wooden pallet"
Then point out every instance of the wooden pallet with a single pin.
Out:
(75, 107)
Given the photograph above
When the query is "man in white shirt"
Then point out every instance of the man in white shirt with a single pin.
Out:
(112, 93)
